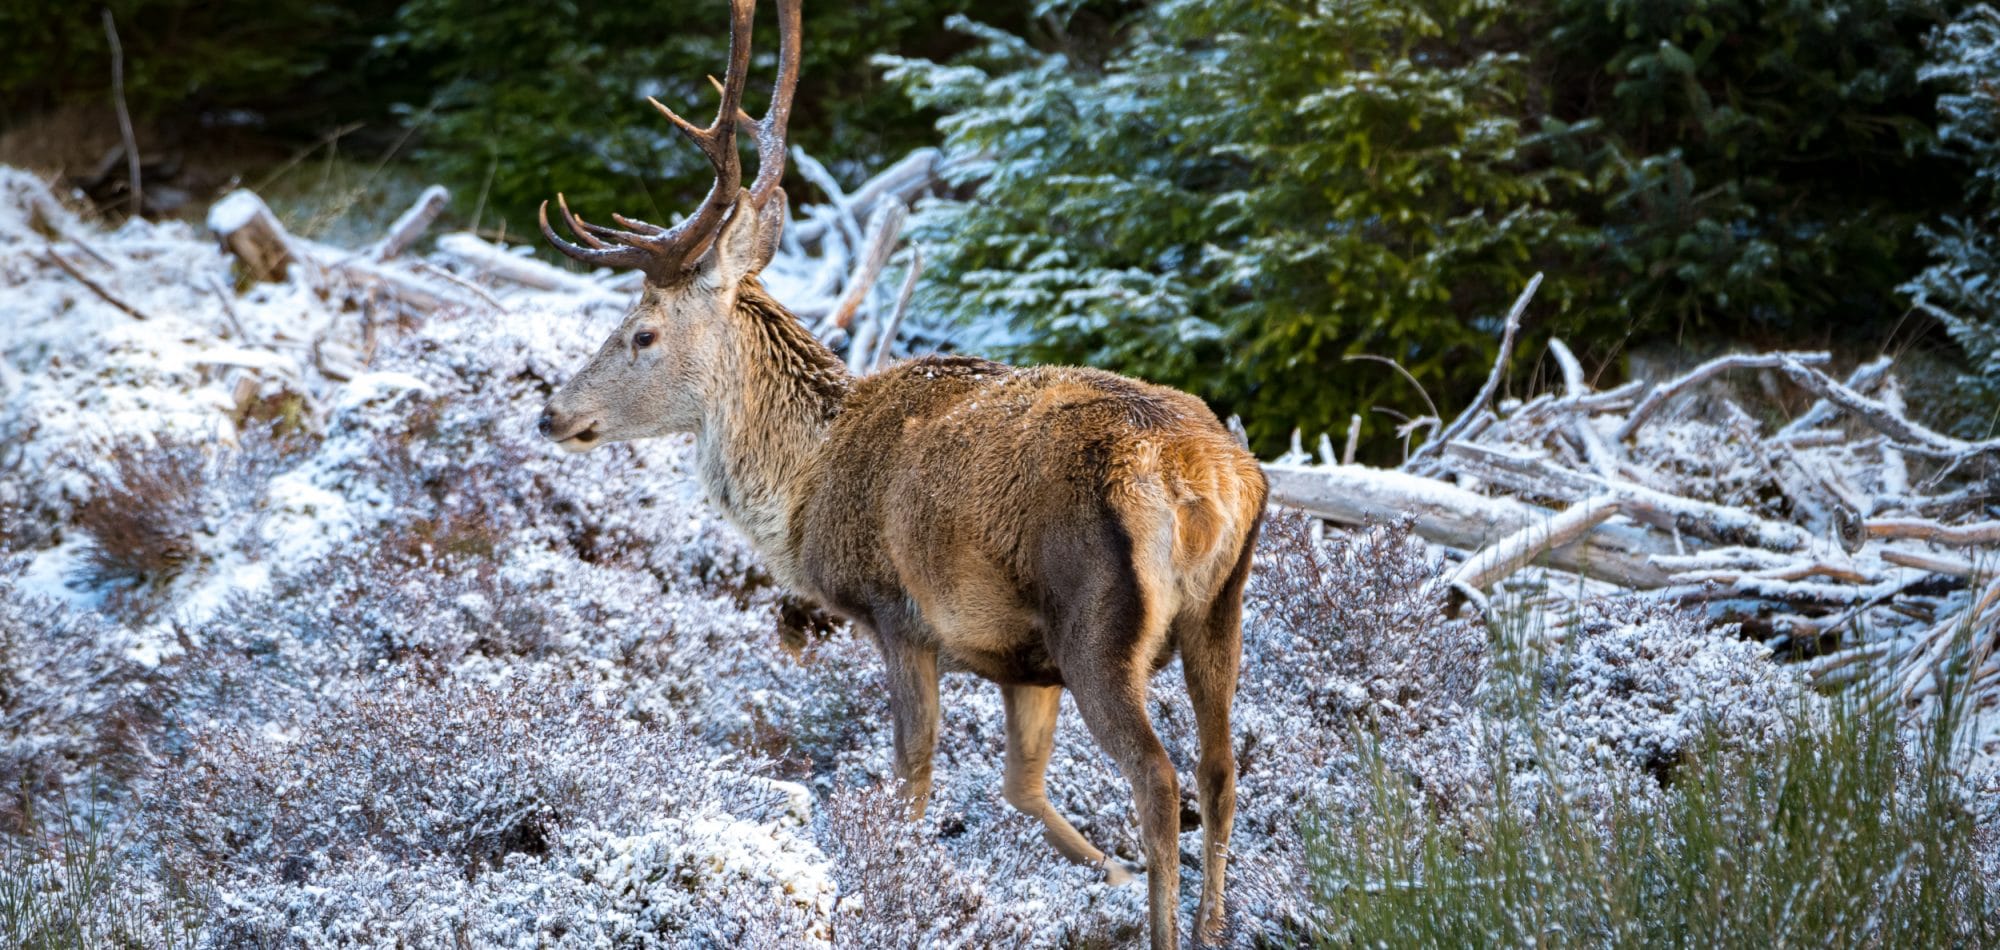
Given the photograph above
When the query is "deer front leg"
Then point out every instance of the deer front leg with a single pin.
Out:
(913, 704)
(1031, 730)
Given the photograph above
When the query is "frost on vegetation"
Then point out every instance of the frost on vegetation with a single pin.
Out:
(73, 707)
(1642, 686)
(363, 662)
(453, 792)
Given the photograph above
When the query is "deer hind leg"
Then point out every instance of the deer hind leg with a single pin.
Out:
(1031, 731)
(1117, 718)
(1211, 655)
(1110, 635)
(913, 705)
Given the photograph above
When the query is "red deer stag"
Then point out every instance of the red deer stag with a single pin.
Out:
(1041, 528)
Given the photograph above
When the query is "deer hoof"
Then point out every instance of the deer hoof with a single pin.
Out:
(1208, 926)
(1118, 874)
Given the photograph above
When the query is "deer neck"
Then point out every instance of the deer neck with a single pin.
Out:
(776, 392)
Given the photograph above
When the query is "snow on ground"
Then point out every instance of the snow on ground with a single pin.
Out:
(353, 659)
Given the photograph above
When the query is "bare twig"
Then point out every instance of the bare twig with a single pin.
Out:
(475, 289)
(1517, 550)
(1659, 395)
(1492, 384)
(1398, 367)
(888, 333)
(228, 309)
(138, 199)
(107, 296)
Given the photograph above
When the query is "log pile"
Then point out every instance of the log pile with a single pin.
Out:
(1852, 537)
(827, 269)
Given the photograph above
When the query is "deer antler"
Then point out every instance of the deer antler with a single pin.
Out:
(770, 135)
(770, 130)
(665, 252)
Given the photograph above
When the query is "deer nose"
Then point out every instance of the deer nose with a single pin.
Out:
(547, 424)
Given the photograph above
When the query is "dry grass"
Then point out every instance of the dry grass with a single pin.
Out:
(143, 515)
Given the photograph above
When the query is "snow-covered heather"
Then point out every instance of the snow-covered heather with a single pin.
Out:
(351, 658)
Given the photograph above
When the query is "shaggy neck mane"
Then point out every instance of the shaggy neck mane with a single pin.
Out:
(776, 392)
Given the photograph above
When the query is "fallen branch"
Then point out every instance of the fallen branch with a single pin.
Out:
(411, 224)
(1601, 455)
(902, 182)
(494, 261)
(1492, 385)
(1519, 549)
(1983, 532)
(883, 230)
(1659, 395)
(107, 296)
(1457, 518)
(889, 326)
(1911, 436)
(850, 223)
(1706, 520)
(1820, 412)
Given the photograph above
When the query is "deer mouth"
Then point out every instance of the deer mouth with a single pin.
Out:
(582, 440)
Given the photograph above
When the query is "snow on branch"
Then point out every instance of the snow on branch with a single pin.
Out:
(1856, 551)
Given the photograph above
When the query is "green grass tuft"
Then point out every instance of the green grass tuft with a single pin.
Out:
(1849, 833)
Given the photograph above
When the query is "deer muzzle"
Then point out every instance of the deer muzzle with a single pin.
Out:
(573, 433)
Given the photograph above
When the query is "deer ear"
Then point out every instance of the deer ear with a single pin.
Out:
(733, 256)
(770, 228)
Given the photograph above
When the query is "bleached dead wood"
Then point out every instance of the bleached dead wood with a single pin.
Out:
(1910, 436)
(1984, 532)
(1865, 377)
(1457, 427)
(887, 336)
(1459, 518)
(249, 231)
(883, 229)
(844, 213)
(1808, 533)
(412, 223)
(1659, 395)
(1521, 548)
(902, 182)
(492, 260)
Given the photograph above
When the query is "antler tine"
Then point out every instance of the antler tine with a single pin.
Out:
(681, 243)
(662, 252)
(771, 129)
(600, 254)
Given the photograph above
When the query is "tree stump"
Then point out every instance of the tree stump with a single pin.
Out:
(249, 231)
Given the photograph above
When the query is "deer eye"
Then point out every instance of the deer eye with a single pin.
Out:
(644, 338)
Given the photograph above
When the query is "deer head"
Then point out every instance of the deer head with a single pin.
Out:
(649, 377)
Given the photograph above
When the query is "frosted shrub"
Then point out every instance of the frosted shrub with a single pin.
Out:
(1639, 685)
(72, 706)
(907, 889)
(423, 809)
(1356, 622)
(415, 771)
(1346, 641)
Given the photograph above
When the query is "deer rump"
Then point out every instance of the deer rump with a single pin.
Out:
(1029, 524)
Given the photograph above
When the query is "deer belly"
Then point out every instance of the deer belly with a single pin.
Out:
(1027, 665)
